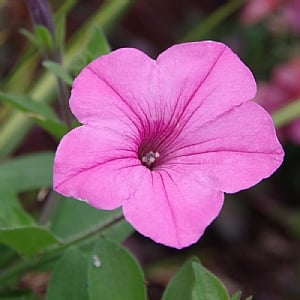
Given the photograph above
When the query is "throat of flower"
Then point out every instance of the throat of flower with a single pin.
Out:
(149, 159)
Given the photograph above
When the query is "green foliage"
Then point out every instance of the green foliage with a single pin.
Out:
(96, 46)
(28, 172)
(194, 282)
(41, 38)
(113, 273)
(27, 240)
(73, 218)
(58, 71)
(17, 229)
(237, 296)
(43, 89)
(81, 242)
(69, 277)
(108, 271)
(11, 212)
(39, 112)
(19, 296)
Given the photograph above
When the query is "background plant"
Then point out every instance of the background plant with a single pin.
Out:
(44, 237)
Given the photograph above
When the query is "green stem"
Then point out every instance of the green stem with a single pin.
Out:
(212, 21)
(63, 96)
(23, 266)
(286, 114)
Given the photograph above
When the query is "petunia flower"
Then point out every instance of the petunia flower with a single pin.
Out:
(166, 138)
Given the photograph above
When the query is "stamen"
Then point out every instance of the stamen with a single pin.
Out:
(150, 158)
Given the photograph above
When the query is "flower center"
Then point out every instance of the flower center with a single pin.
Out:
(149, 159)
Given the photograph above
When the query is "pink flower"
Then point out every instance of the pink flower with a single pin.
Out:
(165, 138)
(255, 10)
(283, 88)
(281, 15)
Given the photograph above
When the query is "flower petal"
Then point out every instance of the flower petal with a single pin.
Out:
(202, 80)
(93, 164)
(236, 150)
(116, 86)
(172, 209)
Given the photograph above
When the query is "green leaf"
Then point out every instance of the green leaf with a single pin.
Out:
(69, 277)
(44, 37)
(25, 104)
(43, 89)
(39, 112)
(31, 37)
(20, 296)
(113, 273)
(72, 218)
(58, 71)
(237, 296)
(207, 285)
(194, 282)
(11, 212)
(98, 44)
(27, 240)
(41, 38)
(28, 172)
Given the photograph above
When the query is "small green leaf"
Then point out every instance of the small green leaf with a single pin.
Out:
(69, 277)
(11, 212)
(28, 172)
(25, 104)
(113, 273)
(31, 37)
(44, 37)
(207, 285)
(194, 282)
(98, 44)
(27, 240)
(182, 284)
(58, 71)
(39, 112)
(41, 38)
(237, 296)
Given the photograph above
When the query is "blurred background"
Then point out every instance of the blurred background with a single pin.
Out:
(253, 245)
